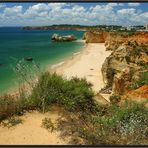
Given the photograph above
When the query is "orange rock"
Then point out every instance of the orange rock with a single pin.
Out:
(140, 92)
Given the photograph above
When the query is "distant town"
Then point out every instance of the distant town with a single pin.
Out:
(86, 28)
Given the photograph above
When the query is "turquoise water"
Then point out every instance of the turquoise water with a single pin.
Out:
(16, 44)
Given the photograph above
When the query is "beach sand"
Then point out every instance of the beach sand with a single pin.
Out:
(31, 132)
(85, 64)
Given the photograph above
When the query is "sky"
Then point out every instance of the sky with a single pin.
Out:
(40, 14)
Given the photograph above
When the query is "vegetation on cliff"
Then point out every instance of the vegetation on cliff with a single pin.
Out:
(74, 95)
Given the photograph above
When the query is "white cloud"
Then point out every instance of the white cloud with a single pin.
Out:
(121, 4)
(2, 5)
(112, 4)
(126, 11)
(13, 10)
(62, 13)
(133, 4)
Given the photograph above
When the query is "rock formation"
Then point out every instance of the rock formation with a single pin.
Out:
(29, 59)
(129, 58)
(58, 38)
(95, 37)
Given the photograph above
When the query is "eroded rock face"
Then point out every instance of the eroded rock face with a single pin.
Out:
(115, 39)
(113, 64)
(95, 37)
(128, 58)
(122, 81)
(58, 38)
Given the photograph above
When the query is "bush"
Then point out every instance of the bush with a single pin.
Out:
(7, 106)
(74, 95)
(12, 121)
(117, 125)
(10, 105)
(48, 124)
(136, 51)
(114, 99)
(143, 80)
(141, 63)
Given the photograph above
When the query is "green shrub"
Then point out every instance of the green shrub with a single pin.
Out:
(48, 124)
(117, 125)
(10, 105)
(12, 121)
(143, 80)
(141, 63)
(7, 106)
(75, 94)
(137, 51)
(115, 99)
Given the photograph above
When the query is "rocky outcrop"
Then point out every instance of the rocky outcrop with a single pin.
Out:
(128, 59)
(29, 59)
(58, 38)
(141, 92)
(95, 37)
(115, 39)
(122, 81)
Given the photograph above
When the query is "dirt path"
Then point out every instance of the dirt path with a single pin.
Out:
(30, 131)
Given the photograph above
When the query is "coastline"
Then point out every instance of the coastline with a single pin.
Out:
(85, 64)
(14, 91)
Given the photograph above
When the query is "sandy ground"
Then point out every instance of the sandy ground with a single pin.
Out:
(85, 64)
(30, 131)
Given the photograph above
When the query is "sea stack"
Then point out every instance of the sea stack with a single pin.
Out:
(59, 38)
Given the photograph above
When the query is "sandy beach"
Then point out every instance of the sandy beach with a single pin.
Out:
(31, 132)
(85, 64)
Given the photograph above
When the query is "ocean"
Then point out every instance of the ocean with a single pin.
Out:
(17, 44)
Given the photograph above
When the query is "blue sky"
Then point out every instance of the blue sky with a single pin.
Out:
(35, 14)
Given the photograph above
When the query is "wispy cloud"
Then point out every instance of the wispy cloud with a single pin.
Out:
(133, 4)
(2, 5)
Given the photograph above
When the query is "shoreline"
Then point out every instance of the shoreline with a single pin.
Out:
(14, 91)
(65, 61)
(85, 63)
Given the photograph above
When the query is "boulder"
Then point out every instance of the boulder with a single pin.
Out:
(58, 38)
(29, 59)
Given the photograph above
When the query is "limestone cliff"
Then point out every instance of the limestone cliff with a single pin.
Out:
(95, 37)
(127, 62)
